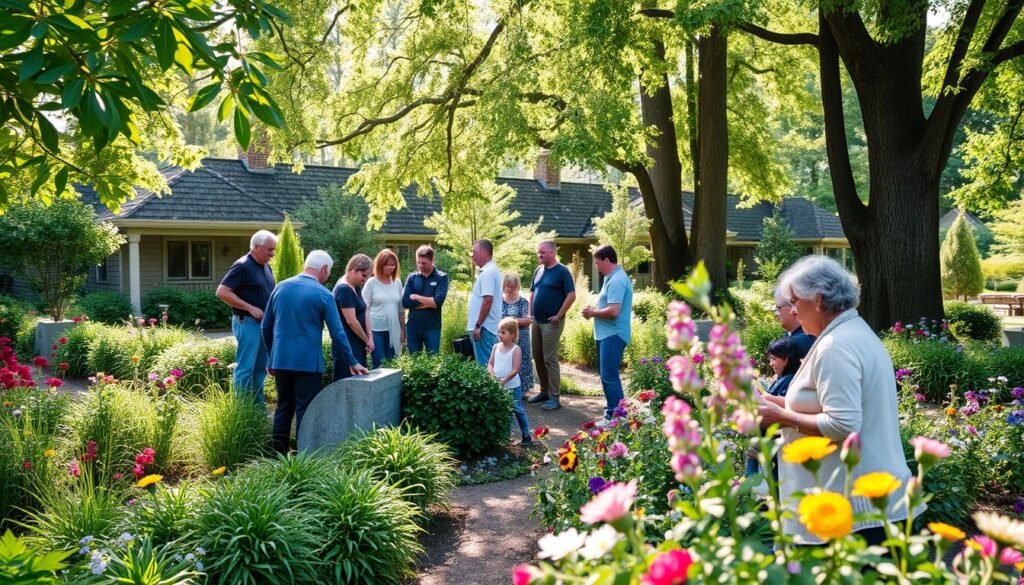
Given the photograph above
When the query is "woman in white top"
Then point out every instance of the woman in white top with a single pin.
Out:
(384, 314)
(844, 385)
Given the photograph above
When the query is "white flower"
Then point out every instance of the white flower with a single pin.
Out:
(1000, 528)
(956, 443)
(16, 412)
(547, 459)
(1002, 379)
(86, 540)
(178, 557)
(97, 564)
(600, 542)
(199, 566)
(558, 546)
(200, 551)
(124, 538)
(190, 558)
(232, 366)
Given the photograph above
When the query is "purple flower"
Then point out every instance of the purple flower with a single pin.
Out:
(970, 409)
(619, 411)
(902, 373)
(597, 484)
(153, 377)
(1015, 418)
(643, 361)
(1018, 393)
(920, 397)
(656, 359)
(1018, 506)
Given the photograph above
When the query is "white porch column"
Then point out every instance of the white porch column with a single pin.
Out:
(134, 278)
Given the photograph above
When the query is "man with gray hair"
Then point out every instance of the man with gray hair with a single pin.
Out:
(246, 289)
(292, 330)
(789, 321)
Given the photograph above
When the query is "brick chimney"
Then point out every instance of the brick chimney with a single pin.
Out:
(548, 174)
(255, 159)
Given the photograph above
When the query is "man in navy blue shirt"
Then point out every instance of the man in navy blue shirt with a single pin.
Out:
(789, 321)
(424, 294)
(246, 289)
(553, 293)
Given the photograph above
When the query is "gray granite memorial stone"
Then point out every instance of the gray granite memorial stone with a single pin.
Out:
(356, 403)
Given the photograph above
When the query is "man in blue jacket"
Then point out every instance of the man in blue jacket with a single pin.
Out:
(293, 326)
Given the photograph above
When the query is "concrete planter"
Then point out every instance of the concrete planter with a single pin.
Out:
(704, 328)
(47, 333)
(1013, 337)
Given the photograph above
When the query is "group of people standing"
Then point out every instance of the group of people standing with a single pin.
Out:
(371, 316)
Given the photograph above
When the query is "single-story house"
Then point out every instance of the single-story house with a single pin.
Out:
(190, 238)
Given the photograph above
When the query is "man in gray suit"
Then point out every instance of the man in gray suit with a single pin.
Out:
(293, 326)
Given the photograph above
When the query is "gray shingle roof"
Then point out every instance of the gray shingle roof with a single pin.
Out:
(224, 190)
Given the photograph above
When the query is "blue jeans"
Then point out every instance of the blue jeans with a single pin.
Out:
(382, 349)
(482, 347)
(250, 357)
(428, 340)
(519, 412)
(295, 390)
(609, 356)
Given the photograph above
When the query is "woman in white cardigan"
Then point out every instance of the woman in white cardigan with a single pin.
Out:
(384, 314)
(844, 385)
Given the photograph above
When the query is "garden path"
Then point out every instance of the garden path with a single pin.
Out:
(497, 531)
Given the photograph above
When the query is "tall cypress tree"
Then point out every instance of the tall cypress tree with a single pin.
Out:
(961, 265)
(288, 260)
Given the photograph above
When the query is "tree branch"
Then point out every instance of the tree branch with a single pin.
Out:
(963, 42)
(780, 38)
(658, 13)
(1008, 52)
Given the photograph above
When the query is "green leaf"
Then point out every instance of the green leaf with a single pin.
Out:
(183, 53)
(264, 107)
(61, 180)
(72, 94)
(165, 44)
(14, 32)
(77, 21)
(138, 30)
(54, 73)
(242, 130)
(32, 63)
(204, 97)
(42, 176)
(224, 110)
(48, 133)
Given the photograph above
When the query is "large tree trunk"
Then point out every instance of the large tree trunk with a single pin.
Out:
(710, 202)
(894, 238)
(661, 183)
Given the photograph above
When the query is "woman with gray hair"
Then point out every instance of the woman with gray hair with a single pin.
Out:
(844, 385)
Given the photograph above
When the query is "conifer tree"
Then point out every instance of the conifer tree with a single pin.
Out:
(624, 227)
(777, 249)
(961, 265)
(288, 260)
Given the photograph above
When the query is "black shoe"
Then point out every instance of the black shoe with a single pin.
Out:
(526, 442)
(542, 397)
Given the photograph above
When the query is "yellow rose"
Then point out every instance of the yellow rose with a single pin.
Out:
(807, 449)
(827, 515)
(875, 485)
(946, 532)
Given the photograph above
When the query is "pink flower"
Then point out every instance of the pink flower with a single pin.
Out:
(26, 464)
(146, 457)
(929, 451)
(610, 505)
(698, 358)
(850, 454)
(617, 450)
(522, 575)
(170, 381)
(746, 422)
(984, 545)
(177, 373)
(54, 382)
(687, 467)
(74, 470)
(152, 321)
(679, 326)
(118, 476)
(1010, 556)
(668, 568)
(683, 374)
(211, 361)
(646, 396)
(138, 472)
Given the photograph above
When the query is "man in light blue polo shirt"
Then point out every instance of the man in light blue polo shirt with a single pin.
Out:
(611, 323)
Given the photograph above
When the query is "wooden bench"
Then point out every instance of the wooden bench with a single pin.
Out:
(1013, 304)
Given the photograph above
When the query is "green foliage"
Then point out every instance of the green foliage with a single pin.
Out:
(25, 340)
(1003, 267)
(105, 122)
(187, 309)
(75, 353)
(73, 242)
(121, 420)
(456, 400)
(961, 265)
(578, 344)
(166, 515)
(78, 507)
(756, 336)
(1009, 233)
(105, 307)
(21, 564)
(777, 249)
(28, 432)
(650, 373)
(289, 257)
(413, 462)
(226, 429)
(758, 301)
(1009, 362)
(12, 313)
(936, 365)
(369, 532)
(650, 304)
(648, 339)
(192, 358)
(130, 352)
(485, 215)
(454, 317)
(140, 562)
(337, 223)
(625, 227)
(256, 533)
(969, 322)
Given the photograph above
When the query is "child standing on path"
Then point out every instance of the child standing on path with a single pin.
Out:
(506, 359)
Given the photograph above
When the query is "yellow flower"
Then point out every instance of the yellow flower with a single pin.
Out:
(946, 532)
(568, 461)
(149, 480)
(49, 453)
(219, 471)
(875, 485)
(136, 358)
(807, 449)
(950, 411)
(827, 515)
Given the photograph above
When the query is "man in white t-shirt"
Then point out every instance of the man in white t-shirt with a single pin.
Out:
(484, 302)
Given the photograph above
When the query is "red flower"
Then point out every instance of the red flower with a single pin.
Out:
(63, 340)
(646, 396)
(63, 366)
(138, 472)
(540, 432)
(26, 464)
(53, 346)
(588, 425)
(54, 382)
(668, 568)
(4, 341)
(146, 457)
(40, 362)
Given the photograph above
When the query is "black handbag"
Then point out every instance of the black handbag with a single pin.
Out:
(463, 346)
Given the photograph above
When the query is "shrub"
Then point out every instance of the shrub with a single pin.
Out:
(114, 350)
(227, 429)
(20, 558)
(1003, 267)
(76, 508)
(25, 341)
(1020, 286)
(207, 311)
(176, 300)
(977, 322)
(578, 344)
(777, 248)
(758, 301)
(139, 561)
(287, 262)
(1009, 362)
(193, 360)
(648, 339)
(756, 336)
(296, 472)
(27, 431)
(935, 365)
(254, 533)
(454, 317)
(650, 373)
(961, 264)
(121, 421)
(650, 303)
(166, 515)
(423, 469)
(105, 307)
(369, 532)
(456, 400)
(75, 353)
(12, 313)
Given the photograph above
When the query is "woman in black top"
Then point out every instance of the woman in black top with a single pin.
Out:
(353, 313)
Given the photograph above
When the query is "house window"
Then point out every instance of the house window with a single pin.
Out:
(643, 268)
(405, 259)
(189, 260)
(101, 271)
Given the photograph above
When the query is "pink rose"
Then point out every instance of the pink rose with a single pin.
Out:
(522, 575)
(929, 451)
(668, 568)
(610, 505)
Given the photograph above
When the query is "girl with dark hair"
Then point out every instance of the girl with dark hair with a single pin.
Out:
(784, 355)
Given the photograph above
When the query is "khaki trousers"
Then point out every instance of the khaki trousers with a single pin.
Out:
(546, 339)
